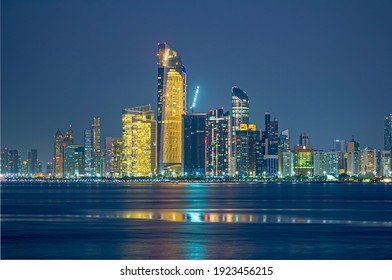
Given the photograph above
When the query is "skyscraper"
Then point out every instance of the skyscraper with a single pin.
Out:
(368, 162)
(172, 104)
(58, 155)
(304, 139)
(271, 148)
(32, 156)
(388, 132)
(4, 167)
(287, 163)
(339, 145)
(239, 108)
(88, 153)
(69, 137)
(240, 164)
(245, 150)
(113, 156)
(73, 161)
(49, 169)
(138, 142)
(218, 143)
(194, 144)
(97, 162)
(15, 162)
(353, 158)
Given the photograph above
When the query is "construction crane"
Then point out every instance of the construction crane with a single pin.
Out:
(194, 99)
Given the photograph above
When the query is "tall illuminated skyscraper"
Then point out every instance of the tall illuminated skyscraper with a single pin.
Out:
(388, 132)
(14, 162)
(4, 162)
(88, 153)
(172, 104)
(58, 155)
(138, 142)
(97, 160)
(73, 161)
(239, 108)
(194, 128)
(239, 132)
(32, 156)
(218, 143)
(113, 156)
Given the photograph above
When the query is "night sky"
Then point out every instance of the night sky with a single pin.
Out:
(320, 67)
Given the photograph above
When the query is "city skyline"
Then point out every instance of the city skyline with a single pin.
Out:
(38, 100)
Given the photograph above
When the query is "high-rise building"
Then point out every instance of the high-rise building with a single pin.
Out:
(303, 160)
(368, 162)
(240, 136)
(24, 168)
(138, 142)
(172, 104)
(284, 145)
(353, 158)
(339, 145)
(218, 143)
(287, 163)
(245, 150)
(194, 129)
(88, 153)
(271, 147)
(331, 163)
(4, 162)
(304, 139)
(319, 163)
(388, 132)
(69, 137)
(385, 164)
(259, 153)
(352, 145)
(32, 161)
(58, 155)
(113, 152)
(267, 119)
(49, 169)
(14, 162)
(239, 108)
(97, 160)
(284, 140)
(73, 161)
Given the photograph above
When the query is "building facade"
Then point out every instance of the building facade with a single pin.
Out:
(172, 104)
(194, 129)
(139, 141)
(218, 143)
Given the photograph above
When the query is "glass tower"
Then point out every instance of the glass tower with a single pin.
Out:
(218, 139)
(58, 155)
(239, 108)
(172, 104)
(388, 132)
(194, 144)
(138, 142)
(96, 147)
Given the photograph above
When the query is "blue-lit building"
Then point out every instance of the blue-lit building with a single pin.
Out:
(194, 134)
(218, 143)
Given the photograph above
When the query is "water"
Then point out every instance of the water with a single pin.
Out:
(196, 221)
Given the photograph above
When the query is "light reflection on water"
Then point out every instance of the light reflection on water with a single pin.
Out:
(197, 217)
(194, 221)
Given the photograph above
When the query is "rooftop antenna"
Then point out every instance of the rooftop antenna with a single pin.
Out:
(194, 99)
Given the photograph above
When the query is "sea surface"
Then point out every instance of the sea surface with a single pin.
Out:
(330, 221)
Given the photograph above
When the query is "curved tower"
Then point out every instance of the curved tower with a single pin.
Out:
(239, 107)
(172, 89)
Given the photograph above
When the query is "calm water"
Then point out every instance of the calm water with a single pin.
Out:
(196, 221)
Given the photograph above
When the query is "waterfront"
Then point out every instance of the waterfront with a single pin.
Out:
(196, 221)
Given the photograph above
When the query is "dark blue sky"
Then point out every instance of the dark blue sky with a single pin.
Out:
(321, 67)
